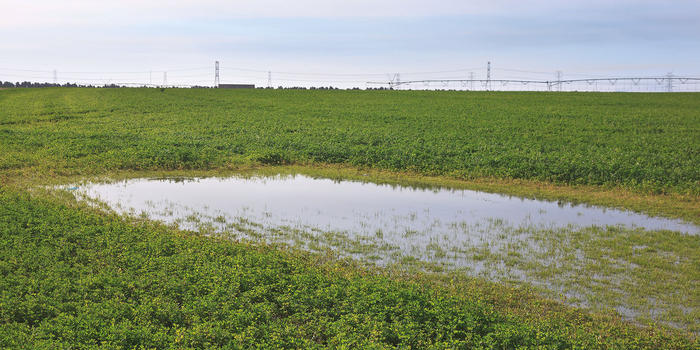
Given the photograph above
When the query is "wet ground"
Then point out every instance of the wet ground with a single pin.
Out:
(574, 251)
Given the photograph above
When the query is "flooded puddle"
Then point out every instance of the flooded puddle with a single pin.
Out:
(355, 207)
(561, 248)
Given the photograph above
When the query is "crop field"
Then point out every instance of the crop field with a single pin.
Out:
(74, 274)
(641, 141)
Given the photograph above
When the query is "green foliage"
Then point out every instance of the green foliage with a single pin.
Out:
(79, 279)
(641, 141)
(270, 157)
(73, 278)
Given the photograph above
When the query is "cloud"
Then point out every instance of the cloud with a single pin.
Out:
(48, 13)
(360, 35)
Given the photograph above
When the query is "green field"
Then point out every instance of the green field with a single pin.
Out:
(642, 141)
(74, 275)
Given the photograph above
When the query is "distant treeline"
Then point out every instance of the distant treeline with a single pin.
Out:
(29, 84)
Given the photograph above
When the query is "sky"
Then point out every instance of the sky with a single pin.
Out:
(344, 43)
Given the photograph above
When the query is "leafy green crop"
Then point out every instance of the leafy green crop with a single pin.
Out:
(643, 141)
(71, 277)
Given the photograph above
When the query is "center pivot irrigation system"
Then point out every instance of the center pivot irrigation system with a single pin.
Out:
(459, 79)
(667, 83)
(551, 85)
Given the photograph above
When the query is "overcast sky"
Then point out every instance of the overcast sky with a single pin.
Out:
(346, 42)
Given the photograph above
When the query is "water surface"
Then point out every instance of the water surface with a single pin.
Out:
(498, 237)
(351, 206)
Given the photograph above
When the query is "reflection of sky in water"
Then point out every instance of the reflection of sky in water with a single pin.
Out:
(362, 208)
(381, 224)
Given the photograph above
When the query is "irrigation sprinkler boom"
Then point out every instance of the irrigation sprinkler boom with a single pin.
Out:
(668, 81)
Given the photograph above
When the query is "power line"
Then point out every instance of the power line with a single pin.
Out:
(322, 81)
(488, 76)
(105, 72)
(345, 74)
(521, 71)
(558, 75)
(27, 70)
(216, 74)
(442, 78)
(291, 73)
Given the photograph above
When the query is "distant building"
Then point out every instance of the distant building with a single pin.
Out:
(236, 86)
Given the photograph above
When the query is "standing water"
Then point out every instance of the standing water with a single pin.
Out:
(503, 238)
(392, 217)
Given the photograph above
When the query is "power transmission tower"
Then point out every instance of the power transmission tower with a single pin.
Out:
(165, 79)
(669, 82)
(392, 80)
(471, 80)
(488, 76)
(558, 75)
(55, 77)
(150, 77)
(269, 79)
(216, 74)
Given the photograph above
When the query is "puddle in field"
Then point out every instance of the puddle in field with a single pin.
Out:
(394, 212)
(495, 236)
